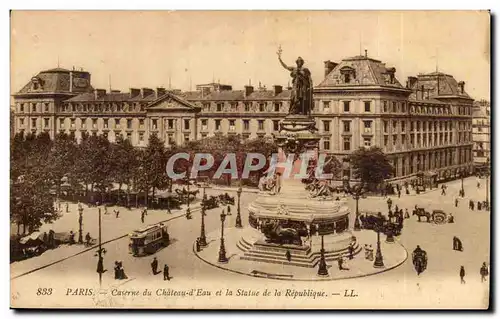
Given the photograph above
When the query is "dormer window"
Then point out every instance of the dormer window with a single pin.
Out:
(347, 74)
(36, 84)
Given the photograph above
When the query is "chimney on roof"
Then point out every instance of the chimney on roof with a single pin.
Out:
(98, 93)
(461, 85)
(277, 89)
(248, 90)
(146, 92)
(160, 92)
(366, 53)
(422, 90)
(329, 66)
(412, 80)
(134, 92)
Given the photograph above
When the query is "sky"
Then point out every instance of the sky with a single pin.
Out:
(179, 49)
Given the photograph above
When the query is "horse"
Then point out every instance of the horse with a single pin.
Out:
(420, 212)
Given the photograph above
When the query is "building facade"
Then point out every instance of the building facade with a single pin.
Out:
(425, 125)
(481, 132)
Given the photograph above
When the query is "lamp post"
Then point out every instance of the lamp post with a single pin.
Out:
(80, 223)
(322, 269)
(222, 249)
(100, 252)
(356, 193)
(379, 259)
(238, 213)
(203, 238)
(462, 174)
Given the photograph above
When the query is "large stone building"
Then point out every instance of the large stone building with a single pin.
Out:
(481, 132)
(424, 126)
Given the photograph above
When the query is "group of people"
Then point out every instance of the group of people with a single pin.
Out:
(483, 272)
(154, 269)
(119, 271)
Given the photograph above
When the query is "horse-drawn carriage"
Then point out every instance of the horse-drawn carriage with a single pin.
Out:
(370, 221)
(437, 216)
(419, 259)
(225, 199)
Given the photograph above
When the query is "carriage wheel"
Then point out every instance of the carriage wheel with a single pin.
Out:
(439, 218)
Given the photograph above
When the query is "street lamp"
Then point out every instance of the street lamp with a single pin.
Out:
(462, 174)
(379, 259)
(356, 194)
(100, 252)
(80, 223)
(322, 269)
(222, 250)
(203, 238)
(238, 214)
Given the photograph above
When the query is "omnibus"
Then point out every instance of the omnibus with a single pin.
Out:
(148, 240)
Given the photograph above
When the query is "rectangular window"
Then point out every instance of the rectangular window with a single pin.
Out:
(386, 127)
(247, 106)
(368, 106)
(394, 126)
(94, 123)
(403, 139)
(61, 123)
(84, 123)
(129, 124)
(347, 143)
(232, 125)
(129, 136)
(403, 106)
(204, 124)
(204, 135)
(412, 126)
(186, 124)
(46, 123)
(33, 107)
(141, 137)
(326, 105)
(261, 125)
(186, 137)
(72, 123)
(21, 107)
(347, 106)
(262, 107)
(326, 126)
(385, 107)
(326, 145)
(367, 141)
(368, 126)
(276, 125)
(46, 107)
(403, 126)
(219, 107)
(394, 107)
(141, 123)
(170, 138)
(246, 125)
(170, 124)
(277, 106)
(386, 140)
(347, 126)
(105, 123)
(154, 122)
(394, 140)
(217, 125)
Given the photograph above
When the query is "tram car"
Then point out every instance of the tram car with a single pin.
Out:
(148, 240)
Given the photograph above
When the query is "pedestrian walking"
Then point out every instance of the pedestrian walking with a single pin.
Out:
(479, 206)
(339, 262)
(88, 239)
(456, 202)
(443, 190)
(198, 244)
(351, 251)
(67, 208)
(462, 274)
(399, 193)
(154, 266)
(478, 184)
(166, 275)
(228, 210)
(142, 217)
(483, 272)
(407, 215)
(106, 210)
(288, 256)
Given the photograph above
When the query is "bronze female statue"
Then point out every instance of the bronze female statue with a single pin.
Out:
(301, 101)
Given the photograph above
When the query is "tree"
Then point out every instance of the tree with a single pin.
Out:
(154, 163)
(61, 159)
(371, 166)
(124, 161)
